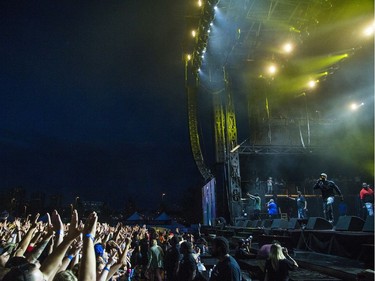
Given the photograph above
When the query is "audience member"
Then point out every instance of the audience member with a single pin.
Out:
(279, 264)
(172, 258)
(187, 269)
(227, 268)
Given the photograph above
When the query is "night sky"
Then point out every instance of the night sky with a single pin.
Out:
(93, 100)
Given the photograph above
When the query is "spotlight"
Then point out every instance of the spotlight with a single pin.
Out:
(355, 106)
(288, 48)
(312, 84)
(272, 69)
(368, 31)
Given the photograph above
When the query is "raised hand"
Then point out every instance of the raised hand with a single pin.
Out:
(90, 225)
(74, 228)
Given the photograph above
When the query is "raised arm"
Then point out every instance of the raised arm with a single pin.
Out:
(54, 260)
(122, 261)
(71, 255)
(87, 269)
(106, 270)
(27, 238)
(35, 254)
(58, 227)
(251, 196)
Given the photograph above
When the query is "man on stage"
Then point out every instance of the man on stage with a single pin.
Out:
(301, 205)
(257, 205)
(367, 198)
(328, 189)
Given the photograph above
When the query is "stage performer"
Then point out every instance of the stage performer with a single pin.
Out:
(328, 189)
(301, 205)
(273, 210)
(257, 205)
(269, 185)
(367, 198)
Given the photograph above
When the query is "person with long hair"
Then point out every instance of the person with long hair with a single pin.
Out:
(279, 264)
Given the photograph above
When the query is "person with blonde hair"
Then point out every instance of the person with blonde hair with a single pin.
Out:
(279, 264)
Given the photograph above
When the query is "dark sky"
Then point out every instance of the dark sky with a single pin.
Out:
(93, 101)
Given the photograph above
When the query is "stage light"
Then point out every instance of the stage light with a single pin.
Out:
(293, 29)
(355, 106)
(272, 69)
(215, 8)
(312, 84)
(188, 57)
(199, 3)
(288, 48)
(193, 33)
(368, 31)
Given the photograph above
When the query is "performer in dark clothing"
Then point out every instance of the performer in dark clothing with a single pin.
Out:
(328, 189)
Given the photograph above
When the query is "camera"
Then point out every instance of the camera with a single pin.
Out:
(247, 241)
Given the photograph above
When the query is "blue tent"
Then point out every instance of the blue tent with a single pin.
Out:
(135, 217)
(163, 217)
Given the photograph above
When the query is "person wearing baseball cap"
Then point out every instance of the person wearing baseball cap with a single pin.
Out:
(328, 189)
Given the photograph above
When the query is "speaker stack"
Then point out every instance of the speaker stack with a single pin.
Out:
(349, 223)
(318, 223)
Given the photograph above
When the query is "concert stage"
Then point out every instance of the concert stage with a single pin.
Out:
(315, 244)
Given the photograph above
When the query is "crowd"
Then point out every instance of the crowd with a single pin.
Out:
(36, 250)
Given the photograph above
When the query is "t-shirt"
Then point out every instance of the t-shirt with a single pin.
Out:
(367, 195)
(282, 273)
(226, 270)
(171, 258)
(301, 202)
(272, 208)
(187, 266)
(257, 203)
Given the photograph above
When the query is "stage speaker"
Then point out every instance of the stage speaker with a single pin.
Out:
(267, 223)
(279, 224)
(294, 224)
(317, 223)
(369, 224)
(349, 223)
